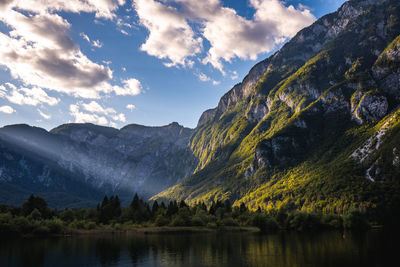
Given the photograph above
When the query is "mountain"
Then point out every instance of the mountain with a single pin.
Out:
(316, 125)
(76, 164)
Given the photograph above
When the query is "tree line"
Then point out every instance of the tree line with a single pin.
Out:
(36, 217)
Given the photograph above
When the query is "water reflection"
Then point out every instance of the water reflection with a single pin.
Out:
(241, 249)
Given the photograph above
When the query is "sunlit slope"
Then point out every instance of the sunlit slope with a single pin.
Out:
(291, 132)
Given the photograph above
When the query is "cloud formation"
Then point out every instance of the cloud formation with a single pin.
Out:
(131, 107)
(130, 87)
(93, 112)
(231, 36)
(39, 51)
(94, 43)
(203, 77)
(26, 96)
(44, 115)
(7, 109)
(170, 36)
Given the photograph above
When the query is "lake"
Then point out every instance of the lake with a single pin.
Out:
(373, 248)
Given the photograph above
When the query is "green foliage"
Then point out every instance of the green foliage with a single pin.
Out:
(304, 221)
(355, 219)
(36, 204)
(264, 222)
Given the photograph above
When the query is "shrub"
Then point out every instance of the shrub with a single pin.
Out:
(212, 225)
(301, 221)
(178, 221)
(229, 222)
(117, 226)
(22, 224)
(56, 226)
(197, 221)
(264, 223)
(67, 215)
(355, 219)
(35, 215)
(332, 221)
(77, 224)
(161, 220)
(41, 230)
(90, 225)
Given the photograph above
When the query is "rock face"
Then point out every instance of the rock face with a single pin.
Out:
(371, 107)
(292, 126)
(106, 160)
(208, 114)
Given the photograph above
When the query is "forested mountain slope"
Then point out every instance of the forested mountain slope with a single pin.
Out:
(316, 125)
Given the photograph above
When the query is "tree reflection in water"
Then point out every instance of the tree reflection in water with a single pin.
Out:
(374, 248)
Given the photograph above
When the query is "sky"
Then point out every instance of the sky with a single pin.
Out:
(149, 62)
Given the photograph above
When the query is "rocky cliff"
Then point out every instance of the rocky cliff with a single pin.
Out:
(314, 125)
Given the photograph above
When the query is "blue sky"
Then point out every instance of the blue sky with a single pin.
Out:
(116, 62)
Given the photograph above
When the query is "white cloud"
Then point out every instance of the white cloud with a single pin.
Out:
(203, 77)
(230, 35)
(94, 43)
(39, 51)
(102, 8)
(85, 37)
(124, 32)
(131, 107)
(234, 75)
(93, 112)
(170, 36)
(216, 82)
(120, 117)
(27, 96)
(7, 109)
(130, 87)
(81, 117)
(44, 115)
(97, 43)
(95, 107)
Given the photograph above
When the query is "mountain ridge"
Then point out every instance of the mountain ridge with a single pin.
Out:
(317, 99)
(108, 161)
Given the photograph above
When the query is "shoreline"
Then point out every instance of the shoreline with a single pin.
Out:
(161, 230)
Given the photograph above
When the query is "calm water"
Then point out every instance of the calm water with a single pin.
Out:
(374, 248)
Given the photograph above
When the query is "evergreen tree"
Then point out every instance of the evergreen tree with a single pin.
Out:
(36, 203)
(155, 207)
(135, 204)
(243, 208)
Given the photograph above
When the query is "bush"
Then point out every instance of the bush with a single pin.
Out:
(229, 222)
(197, 221)
(161, 220)
(178, 221)
(355, 219)
(77, 224)
(67, 215)
(332, 221)
(264, 223)
(90, 226)
(211, 225)
(41, 230)
(35, 215)
(56, 226)
(22, 224)
(301, 221)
